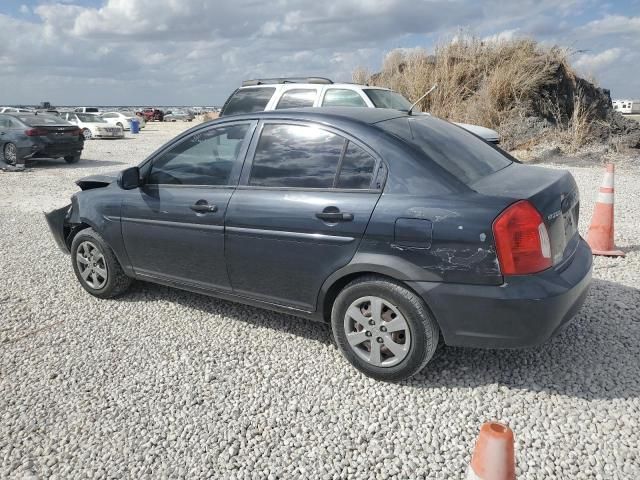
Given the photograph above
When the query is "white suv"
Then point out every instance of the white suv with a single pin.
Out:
(280, 93)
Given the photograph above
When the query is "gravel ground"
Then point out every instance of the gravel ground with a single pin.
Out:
(166, 384)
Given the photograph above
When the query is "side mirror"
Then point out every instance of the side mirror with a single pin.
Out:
(129, 178)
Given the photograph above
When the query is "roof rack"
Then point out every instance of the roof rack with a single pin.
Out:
(266, 81)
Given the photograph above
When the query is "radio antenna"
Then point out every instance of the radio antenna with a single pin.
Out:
(421, 98)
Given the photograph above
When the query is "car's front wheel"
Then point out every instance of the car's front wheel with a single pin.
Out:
(96, 266)
(86, 133)
(72, 158)
(385, 330)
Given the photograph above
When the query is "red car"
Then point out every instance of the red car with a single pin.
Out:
(152, 114)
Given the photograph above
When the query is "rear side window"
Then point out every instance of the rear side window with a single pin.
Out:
(341, 97)
(296, 156)
(297, 98)
(388, 99)
(248, 100)
(356, 170)
(460, 153)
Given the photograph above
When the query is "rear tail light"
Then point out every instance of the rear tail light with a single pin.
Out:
(35, 132)
(77, 131)
(522, 240)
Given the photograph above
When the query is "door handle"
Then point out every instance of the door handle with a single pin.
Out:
(202, 206)
(335, 216)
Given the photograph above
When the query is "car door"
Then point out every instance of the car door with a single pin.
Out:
(299, 213)
(173, 225)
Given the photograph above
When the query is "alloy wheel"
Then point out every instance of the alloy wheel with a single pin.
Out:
(91, 265)
(377, 331)
(11, 153)
(86, 133)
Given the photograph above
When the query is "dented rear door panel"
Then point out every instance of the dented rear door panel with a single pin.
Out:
(460, 247)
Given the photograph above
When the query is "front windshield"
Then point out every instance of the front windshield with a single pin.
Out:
(388, 99)
(84, 117)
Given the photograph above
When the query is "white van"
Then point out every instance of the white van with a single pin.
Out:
(627, 106)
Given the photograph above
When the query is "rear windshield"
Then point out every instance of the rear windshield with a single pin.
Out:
(89, 118)
(388, 99)
(91, 110)
(40, 119)
(248, 100)
(457, 151)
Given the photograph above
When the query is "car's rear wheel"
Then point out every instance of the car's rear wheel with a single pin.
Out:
(96, 266)
(10, 154)
(383, 329)
(72, 158)
(86, 133)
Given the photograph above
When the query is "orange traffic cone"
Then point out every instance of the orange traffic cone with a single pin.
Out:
(600, 235)
(493, 458)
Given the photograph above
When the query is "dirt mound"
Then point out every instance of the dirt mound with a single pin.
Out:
(528, 92)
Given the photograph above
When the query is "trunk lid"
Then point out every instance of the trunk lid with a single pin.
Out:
(59, 133)
(555, 195)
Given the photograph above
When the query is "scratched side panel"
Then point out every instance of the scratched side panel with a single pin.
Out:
(462, 249)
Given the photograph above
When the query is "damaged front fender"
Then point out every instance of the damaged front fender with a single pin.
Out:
(58, 224)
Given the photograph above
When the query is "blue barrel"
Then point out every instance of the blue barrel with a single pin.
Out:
(135, 125)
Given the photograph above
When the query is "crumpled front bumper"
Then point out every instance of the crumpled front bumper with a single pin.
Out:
(57, 221)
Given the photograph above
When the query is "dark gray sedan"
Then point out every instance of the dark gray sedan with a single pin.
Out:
(396, 229)
(28, 135)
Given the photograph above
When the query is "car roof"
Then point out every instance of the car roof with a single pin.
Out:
(312, 85)
(358, 114)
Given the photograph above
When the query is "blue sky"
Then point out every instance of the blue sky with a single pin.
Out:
(198, 51)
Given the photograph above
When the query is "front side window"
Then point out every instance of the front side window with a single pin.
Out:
(341, 97)
(296, 156)
(248, 100)
(205, 158)
(297, 98)
(356, 169)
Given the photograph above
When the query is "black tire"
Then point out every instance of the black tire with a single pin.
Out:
(116, 281)
(120, 125)
(424, 331)
(10, 147)
(72, 158)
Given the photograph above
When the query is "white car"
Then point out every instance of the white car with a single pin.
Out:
(14, 110)
(122, 119)
(280, 93)
(93, 126)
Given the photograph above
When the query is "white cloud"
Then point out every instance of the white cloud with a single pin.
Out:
(24, 9)
(614, 24)
(198, 51)
(594, 62)
(502, 36)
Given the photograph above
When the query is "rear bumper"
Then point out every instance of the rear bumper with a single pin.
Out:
(525, 311)
(48, 150)
(56, 221)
